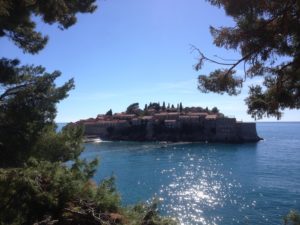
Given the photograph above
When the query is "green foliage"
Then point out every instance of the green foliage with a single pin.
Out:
(36, 187)
(146, 107)
(133, 108)
(43, 189)
(106, 196)
(62, 146)
(83, 169)
(293, 218)
(109, 113)
(220, 81)
(180, 107)
(17, 19)
(260, 103)
(268, 38)
(147, 214)
(155, 106)
(27, 110)
(215, 110)
(44, 192)
(163, 106)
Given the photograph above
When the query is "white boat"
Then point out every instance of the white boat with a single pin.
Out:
(92, 140)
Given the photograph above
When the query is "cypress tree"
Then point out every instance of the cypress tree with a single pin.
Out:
(164, 106)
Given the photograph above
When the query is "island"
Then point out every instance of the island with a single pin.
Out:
(168, 123)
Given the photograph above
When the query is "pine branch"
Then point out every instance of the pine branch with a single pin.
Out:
(13, 90)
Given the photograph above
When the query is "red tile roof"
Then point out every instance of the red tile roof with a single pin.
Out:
(211, 117)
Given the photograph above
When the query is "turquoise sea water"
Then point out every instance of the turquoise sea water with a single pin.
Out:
(210, 183)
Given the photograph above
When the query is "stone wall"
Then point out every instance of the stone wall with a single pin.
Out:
(247, 132)
(95, 129)
(226, 129)
(212, 130)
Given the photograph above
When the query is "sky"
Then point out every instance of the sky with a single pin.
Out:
(136, 51)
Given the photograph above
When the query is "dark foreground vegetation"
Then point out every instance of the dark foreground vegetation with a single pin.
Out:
(36, 184)
(42, 192)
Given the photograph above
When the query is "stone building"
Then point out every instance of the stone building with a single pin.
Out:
(171, 126)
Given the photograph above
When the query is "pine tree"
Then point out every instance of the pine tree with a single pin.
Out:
(131, 109)
(266, 33)
(27, 113)
(36, 186)
(18, 25)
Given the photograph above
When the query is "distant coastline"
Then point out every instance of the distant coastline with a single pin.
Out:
(278, 122)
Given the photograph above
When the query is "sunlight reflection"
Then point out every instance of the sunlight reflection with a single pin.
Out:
(197, 186)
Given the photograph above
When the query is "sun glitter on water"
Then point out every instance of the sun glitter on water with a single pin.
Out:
(196, 186)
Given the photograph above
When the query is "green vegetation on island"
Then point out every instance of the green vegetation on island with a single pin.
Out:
(156, 107)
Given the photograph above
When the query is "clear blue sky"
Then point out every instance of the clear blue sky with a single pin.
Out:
(135, 51)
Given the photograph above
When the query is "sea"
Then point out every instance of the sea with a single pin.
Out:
(209, 183)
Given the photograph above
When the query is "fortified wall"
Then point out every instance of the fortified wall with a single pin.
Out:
(246, 131)
(172, 126)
